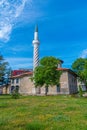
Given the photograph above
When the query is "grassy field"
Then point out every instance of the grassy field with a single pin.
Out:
(43, 113)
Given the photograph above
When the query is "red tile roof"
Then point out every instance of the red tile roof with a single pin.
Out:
(63, 69)
(68, 70)
(23, 73)
(17, 72)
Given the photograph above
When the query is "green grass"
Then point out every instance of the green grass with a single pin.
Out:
(43, 113)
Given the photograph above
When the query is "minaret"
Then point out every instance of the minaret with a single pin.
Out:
(36, 48)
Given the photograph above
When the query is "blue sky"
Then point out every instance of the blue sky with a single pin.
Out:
(62, 30)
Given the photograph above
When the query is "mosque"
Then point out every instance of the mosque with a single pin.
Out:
(21, 81)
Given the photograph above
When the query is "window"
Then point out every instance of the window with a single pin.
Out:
(17, 88)
(12, 81)
(58, 88)
(12, 88)
(17, 80)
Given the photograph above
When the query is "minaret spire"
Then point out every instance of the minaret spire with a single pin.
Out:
(36, 28)
(36, 48)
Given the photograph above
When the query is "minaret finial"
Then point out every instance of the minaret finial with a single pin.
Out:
(36, 28)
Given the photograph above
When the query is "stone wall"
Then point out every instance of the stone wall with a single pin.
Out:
(25, 85)
(68, 85)
(72, 83)
(64, 86)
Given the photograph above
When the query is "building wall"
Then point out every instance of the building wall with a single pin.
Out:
(64, 86)
(52, 90)
(68, 85)
(14, 82)
(82, 84)
(72, 83)
(5, 89)
(25, 85)
(1, 90)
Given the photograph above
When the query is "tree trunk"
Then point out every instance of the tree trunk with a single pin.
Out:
(46, 90)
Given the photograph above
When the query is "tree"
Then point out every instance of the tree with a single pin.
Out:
(46, 73)
(80, 91)
(4, 71)
(80, 67)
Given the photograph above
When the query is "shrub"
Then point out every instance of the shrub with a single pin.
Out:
(15, 94)
(80, 91)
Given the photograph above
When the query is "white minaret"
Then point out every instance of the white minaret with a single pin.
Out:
(36, 48)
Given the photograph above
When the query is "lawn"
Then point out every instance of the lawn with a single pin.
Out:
(43, 113)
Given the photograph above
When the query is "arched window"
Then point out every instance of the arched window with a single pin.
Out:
(12, 88)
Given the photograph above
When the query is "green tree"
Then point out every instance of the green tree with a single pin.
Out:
(80, 67)
(46, 73)
(4, 70)
(80, 91)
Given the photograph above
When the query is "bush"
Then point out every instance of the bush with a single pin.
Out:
(80, 91)
(15, 94)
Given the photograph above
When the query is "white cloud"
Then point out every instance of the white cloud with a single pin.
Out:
(20, 8)
(9, 12)
(14, 13)
(18, 48)
(84, 54)
(20, 62)
(34, 12)
(5, 32)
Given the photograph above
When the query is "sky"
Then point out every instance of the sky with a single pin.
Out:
(62, 26)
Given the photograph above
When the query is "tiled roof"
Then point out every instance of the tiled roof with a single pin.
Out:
(63, 69)
(31, 73)
(68, 70)
(18, 72)
(22, 74)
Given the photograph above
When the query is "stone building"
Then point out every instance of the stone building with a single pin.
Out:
(68, 81)
(24, 85)
(21, 81)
